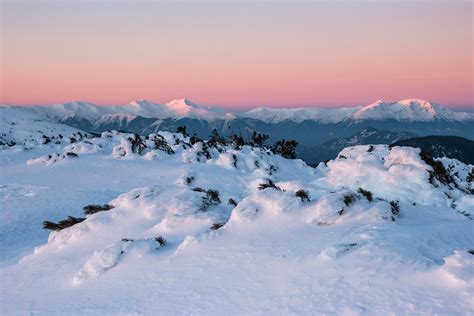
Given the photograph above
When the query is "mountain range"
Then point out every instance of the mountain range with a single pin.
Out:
(308, 126)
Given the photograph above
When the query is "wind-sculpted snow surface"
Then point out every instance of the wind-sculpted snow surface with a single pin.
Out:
(219, 230)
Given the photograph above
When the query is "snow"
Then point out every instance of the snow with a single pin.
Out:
(21, 125)
(412, 110)
(272, 253)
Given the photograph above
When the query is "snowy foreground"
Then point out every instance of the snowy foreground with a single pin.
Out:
(406, 251)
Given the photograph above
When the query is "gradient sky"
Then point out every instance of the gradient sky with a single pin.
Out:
(239, 54)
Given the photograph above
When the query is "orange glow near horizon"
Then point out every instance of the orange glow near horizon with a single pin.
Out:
(237, 55)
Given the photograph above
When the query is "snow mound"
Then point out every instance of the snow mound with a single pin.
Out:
(218, 224)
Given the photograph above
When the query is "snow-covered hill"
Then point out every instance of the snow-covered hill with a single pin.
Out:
(205, 228)
(415, 110)
(174, 109)
(21, 126)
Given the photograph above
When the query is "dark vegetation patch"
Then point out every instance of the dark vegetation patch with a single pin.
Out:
(212, 198)
(269, 185)
(367, 194)
(96, 208)
(439, 171)
(161, 241)
(349, 199)
(216, 226)
(231, 201)
(189, 180)
(71, 155)
(65, 223)
(160, 143)
(303, 195)
(395, 209)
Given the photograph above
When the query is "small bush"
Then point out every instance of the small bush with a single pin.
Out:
(368, 195)
(95, 208)
(234, 160)
(138, 145)
(65, 223)
(182, 130)
(46, 140)
(258, 140)
(395, 208)
(237, 142)
(194, 139)
(269, 184)
(371, 149)
(216, 226)
(231, 201)
(160, 240)
(439, 171)
(215, 140)
(71, 154)
(198, 189)
(349, 199)
(285, 148)
(211, 198)
(160, 143)
(303, 195)
(189, 180)
(470, 176)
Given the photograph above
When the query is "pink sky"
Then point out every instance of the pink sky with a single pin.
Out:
(237, 55)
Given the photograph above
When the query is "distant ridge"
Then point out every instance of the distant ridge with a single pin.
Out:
(443, 146)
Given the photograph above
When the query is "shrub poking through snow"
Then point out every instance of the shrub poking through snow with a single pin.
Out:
(161, 241)
(194, 139)
(349, 199)
(470, 176)
(182, 130)
(269, 184)
(138, 145)
(234, 160)
(439, 171)
(215, 140)
(367, 194)
(189, 180)
(395, 208)
(258, 140)
(211, 198)
(95, 208)
(160, 143)
(45, 140)
(65, 223)
(216, 226)
(371, 149)
(71, 154)
(285, 148)
(231, 201)
(237, 142)
(303, 195)
(198, 189)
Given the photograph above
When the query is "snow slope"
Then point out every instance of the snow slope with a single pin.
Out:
(21, 125)
(174, 109)
(273, 252)
(410, 110)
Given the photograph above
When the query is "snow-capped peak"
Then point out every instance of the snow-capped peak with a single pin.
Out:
(408, 110)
